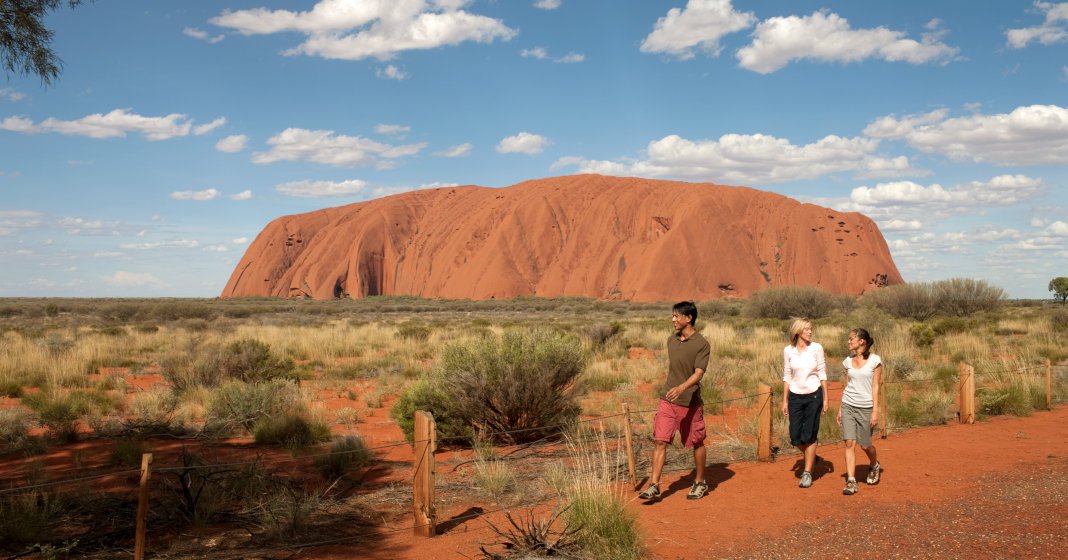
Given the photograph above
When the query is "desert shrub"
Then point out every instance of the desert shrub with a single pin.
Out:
(605, 376)
(346, 454)
(348, 416)
(127, 453)
(94, 365)
(599, 334)
(1010, 398)
(14, 429)
(146, 328)
(55, 344)
(292, 430)
(251, 360)
(10, 388)
(923, 335)
(1058, 321)
(414, 331)
(791, 301)
(965, 296)
(495, 478)
(930, 406)
(28, 517)
(607, 528)
(425, 394)
(523, 381)
(719, 308)
(59, 414)
(174, 310)
(238, 404)
(912, 301)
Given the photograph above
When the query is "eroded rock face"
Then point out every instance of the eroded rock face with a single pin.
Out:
(584, 235)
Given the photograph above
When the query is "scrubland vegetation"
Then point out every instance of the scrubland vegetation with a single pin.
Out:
(310, 378)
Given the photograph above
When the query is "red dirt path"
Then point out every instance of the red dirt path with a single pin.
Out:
(935, 475)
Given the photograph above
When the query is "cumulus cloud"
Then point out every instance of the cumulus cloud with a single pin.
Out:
(243, 195)
(547, 4)
(108, 254)
(324, 146)
(117, 123)
(358, 29)
(217, 248)
(391, 72)
(523, 143)
(747, 159)
(828, 37)
(570, 58)
(239, 241)
(202, 35)
(232, 144)
(124, 278)
(1035, 134)
(536, 52)
(901, 225)
(1058, 228)
(171, 244)
(207, 194)
(697, 27)
(1052, 30)
(321, 189)
(906, 201)
(15, 221)
(397, 130)
(459, 150)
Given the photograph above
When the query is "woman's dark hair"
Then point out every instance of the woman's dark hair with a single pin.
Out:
(863, 336)
(686, 308)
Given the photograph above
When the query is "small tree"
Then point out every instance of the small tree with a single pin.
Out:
(1059, 287)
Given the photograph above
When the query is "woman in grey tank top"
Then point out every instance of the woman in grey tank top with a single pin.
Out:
(858, 413)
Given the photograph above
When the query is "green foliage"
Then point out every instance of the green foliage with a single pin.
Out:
(965, 296)
(28, 517)
(245, 360)
(14, 430)
(238, 404)
(607, 527)
(598, 335)
(59, 414)
(923, 335)
(426, 395)
(785, 302)
(1059, 321)
(1010, 398)
(912, 301)
(127, 453)
(1059, 287)
(292, 430)
(414, 331)
(346, 454)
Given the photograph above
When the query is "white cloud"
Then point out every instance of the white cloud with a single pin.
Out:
(232, 144)
(746, 159)
(124, 278)
(82, 226)
(900, 225)
(828, 37)
(207, 194)
(239, 241)
(202, 35)
(203, 129)
(108, 254)
(12, 94)
(906, 201)
(243, 195)
(1036, 134)
(570, 58)
(397, 130)
(1058, 228)
(218, 248)
(1050, 32)
(323, 146)
(537, 52)
(547, 4)
(321, 189)
(15, 221)
(114, 124)
(358, 29)
(172, 244)
(523, 143)
(698, 26)
(391, 72)
(460, 150)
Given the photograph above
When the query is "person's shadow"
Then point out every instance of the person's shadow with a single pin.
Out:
(820, 467)
(715, 474)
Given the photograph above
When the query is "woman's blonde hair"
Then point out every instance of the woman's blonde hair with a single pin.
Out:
(796, 328)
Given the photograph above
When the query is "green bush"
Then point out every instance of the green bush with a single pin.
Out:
(923, 335)
(238, 404)
(14, 429)
(414, 331)
(607, 527)
(965, 296)
(346, 454)
(292, 430)
(912, 301)
(425, 394)
(251, 360)
(1059, 321)
(127, 453)
(1011, 398)
(785, 302)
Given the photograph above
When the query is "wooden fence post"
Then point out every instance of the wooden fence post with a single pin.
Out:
(423, 486)
(142, 506)
(1049, 385)
(967, 394)
(764, 422)
(630, 443)
(882, 405)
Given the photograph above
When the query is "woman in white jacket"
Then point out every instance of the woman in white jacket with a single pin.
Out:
(804, 396)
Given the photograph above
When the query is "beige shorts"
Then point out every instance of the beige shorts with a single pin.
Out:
(856, 424)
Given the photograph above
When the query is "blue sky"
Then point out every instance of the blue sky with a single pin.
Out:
(179, 129)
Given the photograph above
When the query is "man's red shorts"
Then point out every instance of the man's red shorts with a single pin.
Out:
(688, 421)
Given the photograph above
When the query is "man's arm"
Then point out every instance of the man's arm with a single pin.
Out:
(692, 380)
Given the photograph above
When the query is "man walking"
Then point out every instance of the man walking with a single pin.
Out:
(680, 409)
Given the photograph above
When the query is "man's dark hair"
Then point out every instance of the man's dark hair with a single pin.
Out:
(686, 308)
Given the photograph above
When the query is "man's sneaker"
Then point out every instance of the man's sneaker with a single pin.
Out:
(652, 493)
(851, 487)
(698, 490)
(874, 473)
(806, 479)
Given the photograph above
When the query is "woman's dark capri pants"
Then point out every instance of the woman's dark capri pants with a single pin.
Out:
(805, 413)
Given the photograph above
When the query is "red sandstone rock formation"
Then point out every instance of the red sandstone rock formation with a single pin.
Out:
(584, 235)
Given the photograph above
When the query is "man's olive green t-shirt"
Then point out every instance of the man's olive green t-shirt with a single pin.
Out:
(684, 356)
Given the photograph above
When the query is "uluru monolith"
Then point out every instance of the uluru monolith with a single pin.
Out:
(583, 235)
